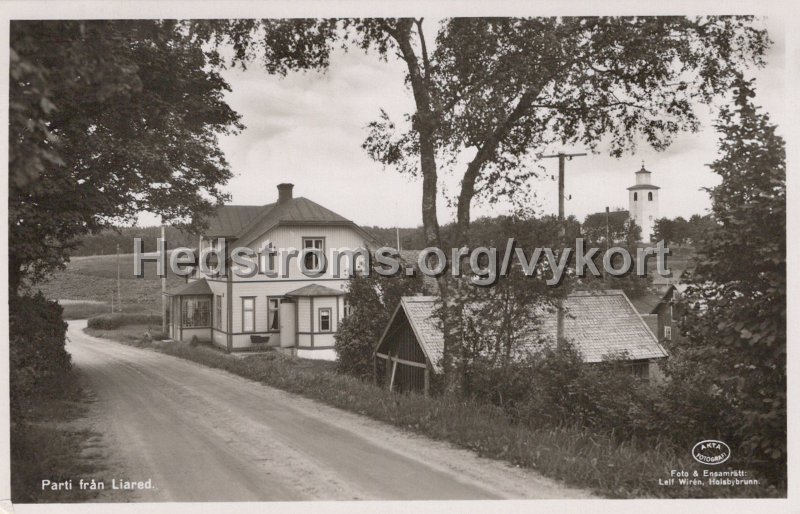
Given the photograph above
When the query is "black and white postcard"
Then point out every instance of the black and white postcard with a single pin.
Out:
(320, 255)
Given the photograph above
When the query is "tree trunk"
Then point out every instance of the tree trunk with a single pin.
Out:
(425, 121)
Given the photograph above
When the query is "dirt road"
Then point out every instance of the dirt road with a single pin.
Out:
(202, 434)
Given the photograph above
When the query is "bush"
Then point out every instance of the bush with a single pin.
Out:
(38, 360)
(120, 319)
(555, 387)
(372, 301)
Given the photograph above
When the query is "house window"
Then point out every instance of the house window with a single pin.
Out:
(196, 311)
(218, 312)
(668, 333)
(635, 196)
(273, 314)
(650, 197)
(312, 258)
(325, 320)
(248, 314)
(347, 308)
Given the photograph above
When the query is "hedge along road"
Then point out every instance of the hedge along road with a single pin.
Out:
(202, 434)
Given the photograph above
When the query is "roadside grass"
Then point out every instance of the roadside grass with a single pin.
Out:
(48, 443)
(111, 321)
(571, 454)
(132, 334)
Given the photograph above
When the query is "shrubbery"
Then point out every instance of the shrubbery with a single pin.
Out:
(372, 301)
(119, 319)
(554, 388)
(38, 361)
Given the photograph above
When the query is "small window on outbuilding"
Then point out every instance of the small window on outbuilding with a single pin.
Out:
(635, 196)
(650, 197)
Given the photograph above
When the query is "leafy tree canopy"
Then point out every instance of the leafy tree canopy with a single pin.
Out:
(108, 119)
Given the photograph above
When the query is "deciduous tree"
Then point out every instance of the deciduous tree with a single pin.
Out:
(107, 119)
(736, 325)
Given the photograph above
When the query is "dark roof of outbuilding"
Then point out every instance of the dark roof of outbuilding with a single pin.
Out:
(194, 288)
(601, 324)
(315, 290)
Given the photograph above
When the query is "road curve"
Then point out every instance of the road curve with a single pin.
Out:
(202, 434)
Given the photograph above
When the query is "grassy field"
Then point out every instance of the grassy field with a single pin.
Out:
(89, 283)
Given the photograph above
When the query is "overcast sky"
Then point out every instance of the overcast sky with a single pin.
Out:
(307, 128)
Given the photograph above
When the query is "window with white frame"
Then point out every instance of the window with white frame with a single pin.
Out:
(312, 258)
(273, 314)
(325, 320)
(248, 314)
(668, 333)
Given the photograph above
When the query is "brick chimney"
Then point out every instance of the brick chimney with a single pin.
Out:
(284, 193)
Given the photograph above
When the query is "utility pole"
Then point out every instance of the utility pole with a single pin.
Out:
(562, 157)
(607, 242)
(119, 290)
(397, 227)
(163, 289)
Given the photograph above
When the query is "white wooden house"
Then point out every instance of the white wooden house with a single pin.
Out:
(292, 311)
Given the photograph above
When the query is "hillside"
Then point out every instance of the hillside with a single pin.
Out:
(88, 284)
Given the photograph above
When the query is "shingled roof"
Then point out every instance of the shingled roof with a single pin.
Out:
(601, 324)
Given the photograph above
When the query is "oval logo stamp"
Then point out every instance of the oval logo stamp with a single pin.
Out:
(711, 452)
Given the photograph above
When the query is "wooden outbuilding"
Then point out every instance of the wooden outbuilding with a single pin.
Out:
(603, 325)
(411, 346)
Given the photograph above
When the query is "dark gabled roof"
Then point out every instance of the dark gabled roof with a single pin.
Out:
(247, 222)
(195, 288)
(315, 290)
(601, 324)
(297, 211)
(229, 220)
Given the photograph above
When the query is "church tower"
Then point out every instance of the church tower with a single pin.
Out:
(643, 203)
